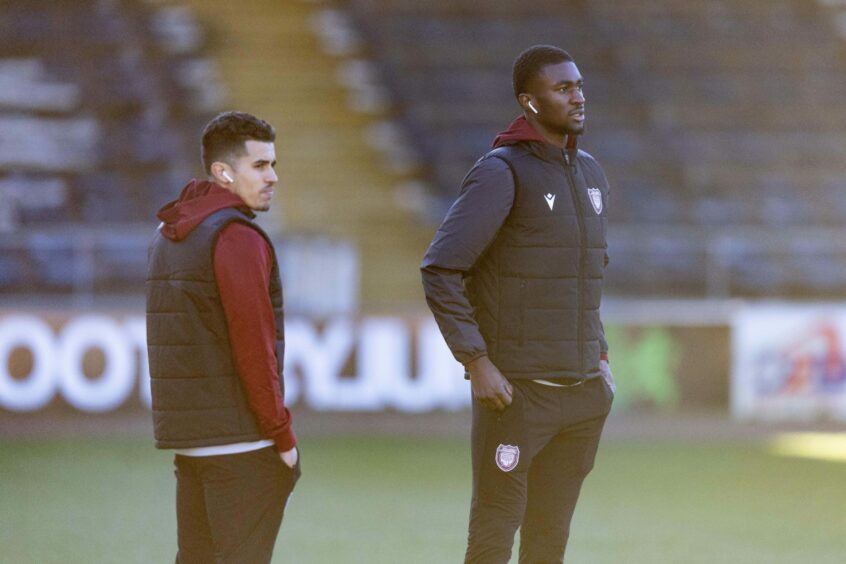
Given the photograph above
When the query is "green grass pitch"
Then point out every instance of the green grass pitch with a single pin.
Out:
(392, 500)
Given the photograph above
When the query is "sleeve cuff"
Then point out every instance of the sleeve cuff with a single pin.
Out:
(286, 440)
(473, 357)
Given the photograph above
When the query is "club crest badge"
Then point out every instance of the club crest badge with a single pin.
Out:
(595, 195)
(507, 457)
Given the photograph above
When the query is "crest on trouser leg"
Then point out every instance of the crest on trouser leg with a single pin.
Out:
(507, 457)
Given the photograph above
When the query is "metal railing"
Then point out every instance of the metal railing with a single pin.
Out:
(736, 261)
(320, 274)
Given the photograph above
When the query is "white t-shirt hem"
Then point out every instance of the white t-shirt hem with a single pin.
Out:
(217, 450)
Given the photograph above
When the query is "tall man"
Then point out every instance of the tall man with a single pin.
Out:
(216, 346)
(514, 279)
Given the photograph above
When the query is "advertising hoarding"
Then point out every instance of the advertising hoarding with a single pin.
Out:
(96, 362)
(789, 362)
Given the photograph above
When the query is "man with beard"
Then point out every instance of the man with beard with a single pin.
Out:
(216, 347)
(514, 279)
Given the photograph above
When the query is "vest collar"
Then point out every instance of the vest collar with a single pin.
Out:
(553, 153)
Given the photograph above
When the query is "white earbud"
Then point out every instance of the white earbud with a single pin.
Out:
(225, 175)
(532, 107)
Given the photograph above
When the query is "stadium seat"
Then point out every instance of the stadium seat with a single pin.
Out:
(93, 124)
(706, 115)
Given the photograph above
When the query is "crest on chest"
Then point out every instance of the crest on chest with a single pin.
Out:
(595, 196)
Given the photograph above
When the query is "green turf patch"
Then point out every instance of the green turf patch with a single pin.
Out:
(395, 500)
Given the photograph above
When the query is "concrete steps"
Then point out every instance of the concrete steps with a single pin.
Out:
(331, 181)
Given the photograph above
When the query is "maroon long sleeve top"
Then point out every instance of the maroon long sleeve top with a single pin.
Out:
(242, 265)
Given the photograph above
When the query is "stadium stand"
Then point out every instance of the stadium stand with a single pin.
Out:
(94, 122)
(719, 124)
(101, 104)
(303, 68)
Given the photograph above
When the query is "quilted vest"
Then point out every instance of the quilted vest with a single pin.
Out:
(537, 289)
(198, 398)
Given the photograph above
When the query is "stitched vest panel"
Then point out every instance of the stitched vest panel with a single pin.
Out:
(537, 289)
(198, 398)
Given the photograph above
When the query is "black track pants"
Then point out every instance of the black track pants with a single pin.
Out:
(229, 508)
(529, 462)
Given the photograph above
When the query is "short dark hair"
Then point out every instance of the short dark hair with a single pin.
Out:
(531, 62)
(226, 134)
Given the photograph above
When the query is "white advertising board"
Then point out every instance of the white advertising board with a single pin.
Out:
(788, 362)
(400, 364)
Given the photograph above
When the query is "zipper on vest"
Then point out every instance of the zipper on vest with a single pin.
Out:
(522, 334)
(580, 217)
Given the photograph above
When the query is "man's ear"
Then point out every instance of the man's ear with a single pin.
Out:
(222, 173)
(527, 103)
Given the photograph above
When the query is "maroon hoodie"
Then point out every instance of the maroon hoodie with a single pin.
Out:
(242, 265)
(521, 130)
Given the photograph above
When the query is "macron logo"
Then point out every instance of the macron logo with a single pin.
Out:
(550, 200)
